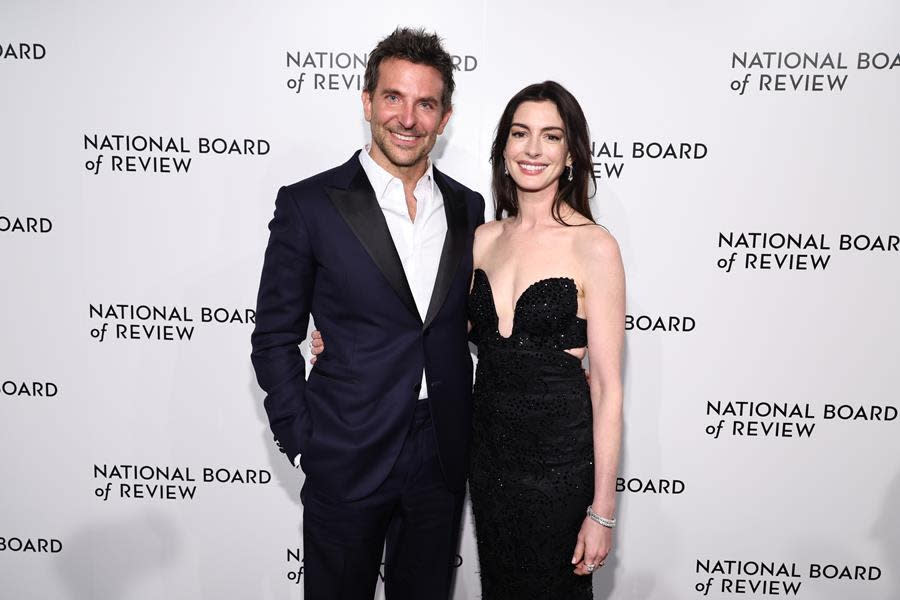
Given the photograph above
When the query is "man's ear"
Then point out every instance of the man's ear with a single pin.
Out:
(444, 119)
(367, 105)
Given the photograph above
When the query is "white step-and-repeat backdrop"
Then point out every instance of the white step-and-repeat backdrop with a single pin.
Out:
(746, 155)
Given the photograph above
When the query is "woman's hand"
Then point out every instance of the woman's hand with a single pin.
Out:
(592, 547)
(316, 346)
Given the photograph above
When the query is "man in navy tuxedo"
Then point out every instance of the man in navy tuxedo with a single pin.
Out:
(379, 251)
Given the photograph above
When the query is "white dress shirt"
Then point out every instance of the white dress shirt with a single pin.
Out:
(419, 243)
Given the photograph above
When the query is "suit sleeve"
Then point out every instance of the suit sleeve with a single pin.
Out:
(282, 316)
(479, 218)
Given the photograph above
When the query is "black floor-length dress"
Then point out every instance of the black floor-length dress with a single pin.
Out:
(531, 474)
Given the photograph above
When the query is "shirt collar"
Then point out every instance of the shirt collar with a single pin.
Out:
(381, 179)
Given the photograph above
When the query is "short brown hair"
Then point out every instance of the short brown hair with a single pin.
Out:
(416, 46)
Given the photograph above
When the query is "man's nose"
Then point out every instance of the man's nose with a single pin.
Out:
(407, 116)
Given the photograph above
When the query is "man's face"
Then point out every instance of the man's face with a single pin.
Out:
(405, 114)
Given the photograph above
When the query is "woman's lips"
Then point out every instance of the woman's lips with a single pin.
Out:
(531, 168)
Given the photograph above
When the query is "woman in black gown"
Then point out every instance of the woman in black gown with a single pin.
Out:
(548, 287)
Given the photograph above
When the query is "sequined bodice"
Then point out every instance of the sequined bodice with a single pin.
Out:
(544, 317)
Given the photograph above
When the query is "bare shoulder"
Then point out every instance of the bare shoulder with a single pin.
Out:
(488, 230)
(598, 254)
(485, 235)
(589, 237)
(596, 242)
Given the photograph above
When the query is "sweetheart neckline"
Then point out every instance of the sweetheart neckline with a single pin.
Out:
(512, 330)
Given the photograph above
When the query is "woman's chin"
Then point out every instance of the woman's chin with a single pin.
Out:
(531, 187)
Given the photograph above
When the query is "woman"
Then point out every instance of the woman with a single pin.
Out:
(548, 288)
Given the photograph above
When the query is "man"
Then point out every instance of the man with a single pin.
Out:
(379, 251)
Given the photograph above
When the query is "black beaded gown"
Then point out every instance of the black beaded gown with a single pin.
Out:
(531, 473)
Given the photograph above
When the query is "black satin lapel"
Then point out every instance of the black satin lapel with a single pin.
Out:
(359, 208)
(453, 249)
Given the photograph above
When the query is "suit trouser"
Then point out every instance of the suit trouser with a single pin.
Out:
(412, 516)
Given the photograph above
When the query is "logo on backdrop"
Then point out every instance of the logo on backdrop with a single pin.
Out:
(741, 418)
(36, 545)
(776, 578)
(11, 224)
(795, 251)
(29, 389)
(22, 51)
(804, 71)
(609, 156)
(658, 323)
(327, 71)
(160, 323)
(295, 565)
(648, 485)
(167, 483)
(123, 153)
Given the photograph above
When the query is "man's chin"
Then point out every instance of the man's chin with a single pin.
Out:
(400, 156)
(406, 159)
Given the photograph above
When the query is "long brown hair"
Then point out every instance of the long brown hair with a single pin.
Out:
(575, 193)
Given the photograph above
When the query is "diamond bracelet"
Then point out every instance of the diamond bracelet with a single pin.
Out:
(598, 519)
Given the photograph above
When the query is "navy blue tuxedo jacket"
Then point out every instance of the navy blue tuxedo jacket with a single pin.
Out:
(330, 254)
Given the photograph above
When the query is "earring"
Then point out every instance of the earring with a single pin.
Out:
(505, 170)
(571, 172)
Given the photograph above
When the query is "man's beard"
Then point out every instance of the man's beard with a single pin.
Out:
(397, 156)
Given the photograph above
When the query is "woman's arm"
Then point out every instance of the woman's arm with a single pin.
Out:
(604, 298)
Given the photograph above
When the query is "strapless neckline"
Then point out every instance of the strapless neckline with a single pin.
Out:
(534, 285)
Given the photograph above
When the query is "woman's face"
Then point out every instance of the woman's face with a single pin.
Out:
(536, 151)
